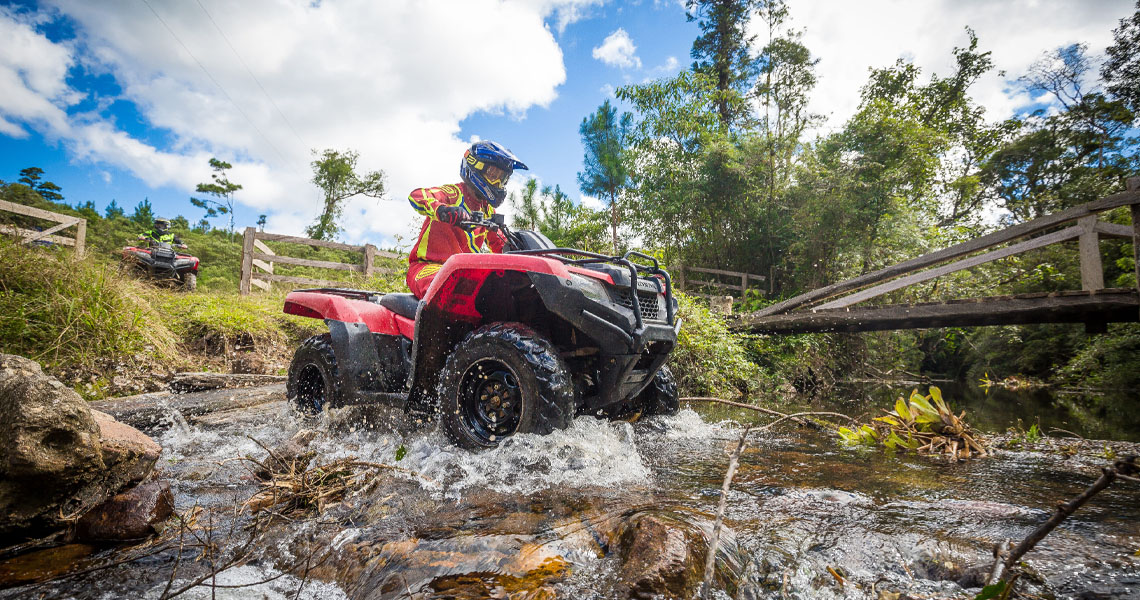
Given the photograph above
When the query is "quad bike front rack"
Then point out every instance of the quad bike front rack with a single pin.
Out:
(594, 258)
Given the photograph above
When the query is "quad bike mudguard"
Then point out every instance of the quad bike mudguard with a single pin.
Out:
(369, 340)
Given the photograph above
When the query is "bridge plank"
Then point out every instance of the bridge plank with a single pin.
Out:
(1131, 197)
(1100, 306)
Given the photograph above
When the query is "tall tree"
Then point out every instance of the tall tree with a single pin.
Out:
(47, 190)
(113, 210)
(528, 206)
(144, 214)
(31, 176)
(1122, 70)
(1066, 157)
(605, 137)
(334, 172)
(723, 49)
(222, 189)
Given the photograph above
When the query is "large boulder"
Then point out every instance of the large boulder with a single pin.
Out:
(57, 458)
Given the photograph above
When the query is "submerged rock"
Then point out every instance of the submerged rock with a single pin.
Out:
(661, 558)
(134, 514)
(58, 458)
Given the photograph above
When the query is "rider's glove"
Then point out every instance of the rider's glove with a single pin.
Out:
(452, 215)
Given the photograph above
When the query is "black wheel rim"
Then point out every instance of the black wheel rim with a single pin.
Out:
(490, 400)
(310, 389)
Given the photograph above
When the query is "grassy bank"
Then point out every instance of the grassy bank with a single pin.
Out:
(106, 332)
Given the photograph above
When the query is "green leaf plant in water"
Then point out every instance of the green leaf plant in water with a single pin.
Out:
(921, 423)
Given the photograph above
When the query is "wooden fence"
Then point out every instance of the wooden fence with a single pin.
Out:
(717, 280)
(27, 236)
(256, 255)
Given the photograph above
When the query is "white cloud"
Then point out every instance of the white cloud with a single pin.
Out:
(345, 74)
(852, 37)
(617, 50)
(592, 202)
(668, 67)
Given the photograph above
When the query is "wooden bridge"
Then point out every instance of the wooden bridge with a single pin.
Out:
(1094, 305)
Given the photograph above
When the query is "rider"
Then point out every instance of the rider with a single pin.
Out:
(161, 233)
(485, 169)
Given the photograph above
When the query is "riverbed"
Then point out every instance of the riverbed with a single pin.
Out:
(551, 516)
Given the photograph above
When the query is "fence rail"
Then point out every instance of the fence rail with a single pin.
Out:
(258, 260)
(685, 284)
(28, 236)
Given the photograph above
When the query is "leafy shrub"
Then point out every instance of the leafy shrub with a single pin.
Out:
(709, 358)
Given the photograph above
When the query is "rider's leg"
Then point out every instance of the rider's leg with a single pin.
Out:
(420, 276)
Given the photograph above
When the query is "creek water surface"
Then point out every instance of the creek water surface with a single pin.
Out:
(542, 517)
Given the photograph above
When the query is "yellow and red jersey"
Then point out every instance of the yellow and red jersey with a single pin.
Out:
(439, 240)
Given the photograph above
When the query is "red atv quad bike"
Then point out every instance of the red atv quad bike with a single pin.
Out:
(518, 342)
(160, 261)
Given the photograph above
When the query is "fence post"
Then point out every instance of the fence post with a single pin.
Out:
(1134, 186)
(246, 260)
(743, 285)
(1092, 271)
(680, 282)
(80, 236)
(369, 256)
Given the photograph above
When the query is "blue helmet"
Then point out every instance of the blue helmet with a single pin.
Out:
(486, 167)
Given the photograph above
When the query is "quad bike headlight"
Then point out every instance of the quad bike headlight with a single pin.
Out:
(589, 286)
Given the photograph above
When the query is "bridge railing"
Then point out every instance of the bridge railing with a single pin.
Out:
(1088, 230)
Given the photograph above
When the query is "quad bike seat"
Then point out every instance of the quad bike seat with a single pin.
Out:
(404, 305)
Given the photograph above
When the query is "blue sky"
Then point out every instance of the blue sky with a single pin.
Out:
(129, 99)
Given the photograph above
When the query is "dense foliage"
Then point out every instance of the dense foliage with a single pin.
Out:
(724, 173)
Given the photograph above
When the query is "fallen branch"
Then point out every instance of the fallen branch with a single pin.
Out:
(710, 560)
(768, 411)
(1126, 469)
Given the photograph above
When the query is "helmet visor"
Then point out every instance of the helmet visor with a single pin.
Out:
(496, 176)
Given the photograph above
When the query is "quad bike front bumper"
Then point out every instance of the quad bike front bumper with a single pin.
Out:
(631, 348)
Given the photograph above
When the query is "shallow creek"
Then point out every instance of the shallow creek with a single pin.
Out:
(544, 517)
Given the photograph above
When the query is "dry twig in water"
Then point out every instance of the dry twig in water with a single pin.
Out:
(1005, 558)
(710, 560)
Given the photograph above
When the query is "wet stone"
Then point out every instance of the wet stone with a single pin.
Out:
(134, 514)
(661, 558)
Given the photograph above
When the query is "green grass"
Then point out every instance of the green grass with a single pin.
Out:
(63, 312)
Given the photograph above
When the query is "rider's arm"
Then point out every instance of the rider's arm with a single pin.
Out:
(496, 241)
(428, 201)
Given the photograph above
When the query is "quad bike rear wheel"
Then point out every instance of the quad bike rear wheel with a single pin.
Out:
(660, 397)
(314, 381)
(504, 379)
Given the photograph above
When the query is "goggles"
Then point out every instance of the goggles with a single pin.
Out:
(496, 176)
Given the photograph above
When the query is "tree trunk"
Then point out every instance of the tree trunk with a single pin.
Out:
(614, 221)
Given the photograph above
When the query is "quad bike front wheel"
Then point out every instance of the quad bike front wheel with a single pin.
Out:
(314, 380)
(504, 379)
(189, 282)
